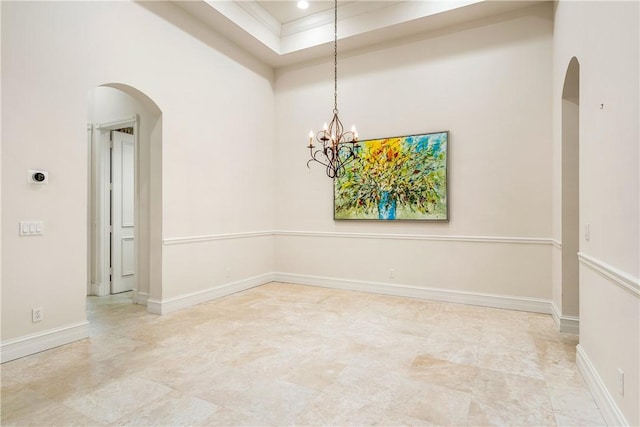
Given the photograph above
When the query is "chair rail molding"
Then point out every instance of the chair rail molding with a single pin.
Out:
(618, 277)
(213, 237)
(352, 235)
(428, 237)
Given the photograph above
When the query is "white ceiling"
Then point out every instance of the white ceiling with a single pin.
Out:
(280, 34)
(287, 10)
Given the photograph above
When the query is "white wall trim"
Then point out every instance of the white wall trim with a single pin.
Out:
(379, 236)
(142, 298)
(556, 243)
(443, 238)
(614, 275)
(116, 124)
(345, 12)
(566, 324)
(183, 301)
(214, 237)
(610, 411)
(41, 341)
(99, 289)
(261, 15)
(462, 297)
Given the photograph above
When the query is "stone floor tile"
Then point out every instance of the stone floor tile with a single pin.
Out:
(172, 409)
(283, 354)
(116, 399)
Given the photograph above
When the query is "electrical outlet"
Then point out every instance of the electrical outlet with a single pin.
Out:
(227, 273)
(36, 314)
(587, 232)
(621, 382)
(392, 274)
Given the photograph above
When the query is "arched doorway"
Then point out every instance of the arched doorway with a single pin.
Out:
(570, 196)
(114, 108)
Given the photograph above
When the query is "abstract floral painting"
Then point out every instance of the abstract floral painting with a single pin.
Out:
(399, 178)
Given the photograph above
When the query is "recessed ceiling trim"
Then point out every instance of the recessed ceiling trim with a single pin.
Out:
(246, 21)
(320, 19)
(261, 15)
(249, 27)
(361, 22)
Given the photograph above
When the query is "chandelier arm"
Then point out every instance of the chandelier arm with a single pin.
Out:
(331, 172)
(350, 158)
(314, 158)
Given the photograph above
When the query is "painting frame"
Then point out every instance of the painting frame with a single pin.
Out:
(397, 179)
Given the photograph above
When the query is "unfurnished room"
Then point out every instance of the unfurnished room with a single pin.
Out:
(320, 213)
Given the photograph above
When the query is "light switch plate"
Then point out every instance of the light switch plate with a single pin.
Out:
(31, 228)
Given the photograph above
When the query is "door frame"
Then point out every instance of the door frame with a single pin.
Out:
(100, 174)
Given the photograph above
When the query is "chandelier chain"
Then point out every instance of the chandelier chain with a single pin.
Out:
(335, 58)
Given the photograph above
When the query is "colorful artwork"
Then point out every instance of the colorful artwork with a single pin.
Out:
(400, 178)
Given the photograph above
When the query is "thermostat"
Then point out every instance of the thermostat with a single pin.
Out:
(37, 177)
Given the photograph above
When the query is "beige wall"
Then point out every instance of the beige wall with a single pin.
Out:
(604, 37)
(489, 84)
(217, 139)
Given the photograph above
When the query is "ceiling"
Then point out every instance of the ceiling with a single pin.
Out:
(286, 10)
(280, 34)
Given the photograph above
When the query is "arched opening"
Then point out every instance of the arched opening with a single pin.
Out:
(115, 206)
(570, 192)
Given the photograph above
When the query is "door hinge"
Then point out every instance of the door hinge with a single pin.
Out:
(111, 229)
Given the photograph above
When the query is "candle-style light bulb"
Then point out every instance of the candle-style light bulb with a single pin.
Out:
(325, 126)
(310, 137)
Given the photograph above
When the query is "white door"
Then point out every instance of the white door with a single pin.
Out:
(122, 211)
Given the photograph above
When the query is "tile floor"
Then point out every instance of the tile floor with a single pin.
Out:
(284, 354)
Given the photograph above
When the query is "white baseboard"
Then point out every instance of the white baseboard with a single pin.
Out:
(41, 341)
(98, 289)
(610, 411)
(183, 301)
(566, 324)
(487, 300)
(142, 298)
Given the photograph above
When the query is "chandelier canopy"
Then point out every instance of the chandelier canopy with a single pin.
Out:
(336, 148)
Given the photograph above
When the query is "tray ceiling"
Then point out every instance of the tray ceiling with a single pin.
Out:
(280, 34)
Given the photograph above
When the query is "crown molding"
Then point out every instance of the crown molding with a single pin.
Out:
(261, 15)
(345, 12)
(253, 29)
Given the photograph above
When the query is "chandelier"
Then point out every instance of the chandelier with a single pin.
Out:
(336, 148)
